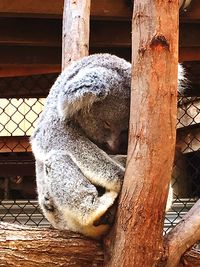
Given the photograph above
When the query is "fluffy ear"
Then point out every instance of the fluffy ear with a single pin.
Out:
(89, 85)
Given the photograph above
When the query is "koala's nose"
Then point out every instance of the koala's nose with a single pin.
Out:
(118, 144)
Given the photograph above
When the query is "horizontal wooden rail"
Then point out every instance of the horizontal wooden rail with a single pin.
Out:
(100, 9)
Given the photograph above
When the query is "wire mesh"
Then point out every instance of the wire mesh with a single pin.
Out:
(21, 102)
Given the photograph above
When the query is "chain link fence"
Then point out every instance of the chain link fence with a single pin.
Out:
(21, 102)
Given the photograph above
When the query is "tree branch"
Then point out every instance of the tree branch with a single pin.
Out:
(40, 247)
(183, 236)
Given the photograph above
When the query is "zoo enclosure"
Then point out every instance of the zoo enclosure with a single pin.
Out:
(18, 115)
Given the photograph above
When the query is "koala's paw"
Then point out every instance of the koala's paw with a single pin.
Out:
(48, 204)
(105, 202)
(97, 223)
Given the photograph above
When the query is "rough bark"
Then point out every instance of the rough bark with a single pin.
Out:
(40, 247)
(190, 259)
(76, 17)
(22, 246)
(137, 237)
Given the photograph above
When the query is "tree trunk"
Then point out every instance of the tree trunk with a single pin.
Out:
(137, 239)
(22, 246)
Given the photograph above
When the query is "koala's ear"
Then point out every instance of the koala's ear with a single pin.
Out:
(89, 85)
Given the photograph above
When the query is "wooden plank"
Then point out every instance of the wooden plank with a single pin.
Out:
(27, 70)
(110, 34)
(40, 32)
(100, 9)
(34, 32)
(48, 59)
(189, 35)
(189, 54)
(14, 144)
(18, 164)
(53, 9)
(47, 32)
(105, 37)
(36, 86)
(31, 8)
(26, 56)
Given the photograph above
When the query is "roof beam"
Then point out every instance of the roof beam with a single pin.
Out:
(100, 9)
(26, 60)
(40, 32)
(53, 9)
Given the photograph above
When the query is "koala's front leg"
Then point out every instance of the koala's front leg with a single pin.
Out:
(98, 167)
(70, 200)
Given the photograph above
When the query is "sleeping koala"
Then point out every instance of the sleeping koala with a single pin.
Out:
(85, 117)
(87, 110)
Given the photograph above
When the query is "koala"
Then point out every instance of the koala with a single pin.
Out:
(85, 118)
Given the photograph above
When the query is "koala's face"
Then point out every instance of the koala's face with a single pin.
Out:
(106, 124)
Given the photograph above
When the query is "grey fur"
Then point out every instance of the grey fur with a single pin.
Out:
(86, 112)
(69, 165)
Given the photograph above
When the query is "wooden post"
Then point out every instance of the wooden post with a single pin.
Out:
(137, 239)
(75, 40)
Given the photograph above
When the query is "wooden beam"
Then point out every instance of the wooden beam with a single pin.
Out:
(189, 54)
(110, 34)
(100, 9)
(27, 70)
(20, 60)
(22, 57)
(47, 32)
(14, 164)
(14, 144)
(189, 35)
(53, 9)
(26, 55)
(32, 58)
(34, 32)
(36, 86)
(42, 32)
